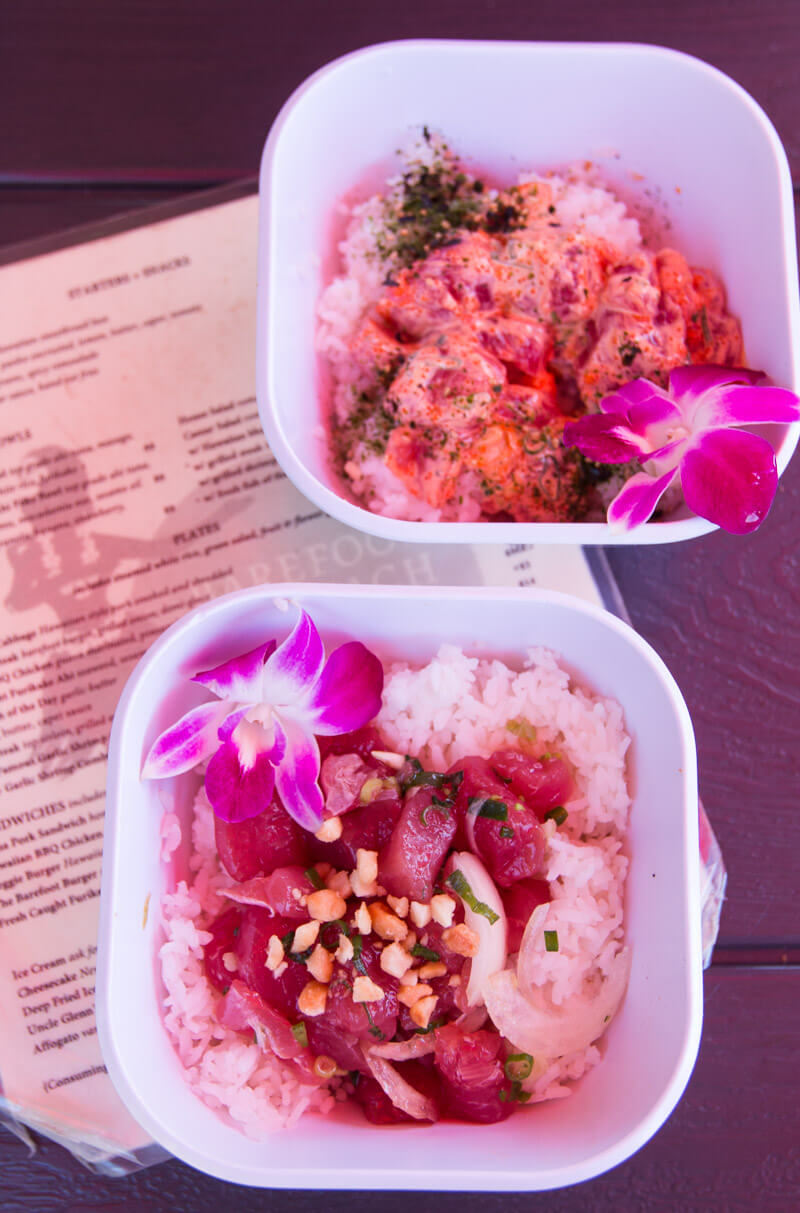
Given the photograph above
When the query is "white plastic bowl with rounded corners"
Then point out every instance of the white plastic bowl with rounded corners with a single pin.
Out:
(653, 1042)
(703, 150)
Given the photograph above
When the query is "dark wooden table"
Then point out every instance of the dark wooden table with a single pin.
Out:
(109, 105)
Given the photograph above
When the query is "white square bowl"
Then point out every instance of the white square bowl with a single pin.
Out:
(651, 1046)
(704, 150)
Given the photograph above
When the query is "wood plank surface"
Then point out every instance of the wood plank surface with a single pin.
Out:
(108, 106)
(139, 90)
(731, 1146)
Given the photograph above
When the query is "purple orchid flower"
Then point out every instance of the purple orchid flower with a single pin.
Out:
(260, 734)
(689, 433)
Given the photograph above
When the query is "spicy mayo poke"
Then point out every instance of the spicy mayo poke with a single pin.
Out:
(436, 936)
(467, 326)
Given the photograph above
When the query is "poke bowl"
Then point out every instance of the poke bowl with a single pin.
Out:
(593, 1116)
(469, 444)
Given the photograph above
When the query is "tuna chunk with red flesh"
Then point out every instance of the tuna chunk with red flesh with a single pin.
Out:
(260, 844)
(471, 1074)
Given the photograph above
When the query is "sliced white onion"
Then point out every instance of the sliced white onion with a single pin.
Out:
(492, 935)
(405, 1050)
(528, 958)
(472, 1019)
(405, 1097)
(546, 1031)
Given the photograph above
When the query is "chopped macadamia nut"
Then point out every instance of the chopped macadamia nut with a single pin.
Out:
(410, 978)
(421, 1011)
(281, 969)
(340, 883)
(432, 968)
(386, 924)
(230, 961)
(312, 999)
(395, 960)
(409, 995)
(305, 936)
(389, 758)
(330, 830)
(367, 865)
(363, 888)
(366, 990)
(362, 920)
(324, 905)
(455, 980)
(399, 905)
(274, 953)
(420, 914)
(410, 940)
(462, 940)
(370, 789)
(320, 964)
(344, 952)
(442, 909)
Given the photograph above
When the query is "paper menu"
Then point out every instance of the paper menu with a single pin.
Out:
(135, 483)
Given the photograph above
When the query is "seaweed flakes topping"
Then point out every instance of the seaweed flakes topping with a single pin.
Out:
(435, 200)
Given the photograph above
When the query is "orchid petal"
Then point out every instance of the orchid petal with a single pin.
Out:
(189, 741)
(292, 670)
(230, 722)
(252, 739)
(604, 438)
(730, 478)
(239, 678)
(234, 793)
(297, 777)
(687, 383)
(639, 393)
(667, 456)
(637, 499)
(738, 405)
(348, 692)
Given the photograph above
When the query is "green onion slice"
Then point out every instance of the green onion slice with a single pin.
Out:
(518, 1066)
(313, 875)
(488, 806)
(300, 1034)
(459, 884)
(424, 953)
(558, 815)
(551, 941)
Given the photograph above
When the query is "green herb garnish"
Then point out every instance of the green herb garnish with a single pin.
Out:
(358, 960)
(437, 201)
(487, 806)
(558, 815)
(424, 953)
(704, 324)
(515, 1094)
(628, 351)
(518, 1066)
(436, 805)
(300, 1034)
(413, 775)
(521, 728)
(460, 885)
(551, 941)
(313, 875)
(506, 831)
